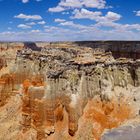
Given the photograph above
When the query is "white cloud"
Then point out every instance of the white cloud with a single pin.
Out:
(56, 9)
(118, 26)
(59, 20)
(25, 1)
(62, 34)
(111, 16)
(65, 13)
(31, 23)
(95, 15)
(86, 14)
(137, 13)
(72, 24)
(70, 4)
(67, 23)
(35, 31)
(23, 26)
(70, 30)
(28, 17)
(50, 28)
(42, 22)
(9, 28)
(100, 4)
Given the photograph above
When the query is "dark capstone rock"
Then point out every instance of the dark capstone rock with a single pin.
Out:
(32, 46)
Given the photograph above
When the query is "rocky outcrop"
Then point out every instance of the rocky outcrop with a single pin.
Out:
(7, 78)
(66, 87)
(32, 46)
(2, 63)
(127, 49)
(71, 77)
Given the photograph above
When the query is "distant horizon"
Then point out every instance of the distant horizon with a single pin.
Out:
(69, 20)
(69, 41)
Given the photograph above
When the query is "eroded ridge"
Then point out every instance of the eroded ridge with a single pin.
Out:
(69, 92)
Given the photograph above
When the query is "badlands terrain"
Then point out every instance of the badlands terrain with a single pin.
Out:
(70, 90)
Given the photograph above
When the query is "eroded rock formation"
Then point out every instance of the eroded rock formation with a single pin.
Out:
(70, 90)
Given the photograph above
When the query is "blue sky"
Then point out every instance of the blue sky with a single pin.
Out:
(69, 20)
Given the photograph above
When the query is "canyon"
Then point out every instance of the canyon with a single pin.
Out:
(88, 90)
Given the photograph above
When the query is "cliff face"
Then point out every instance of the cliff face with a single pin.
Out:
(127, 49)
(69, 91)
